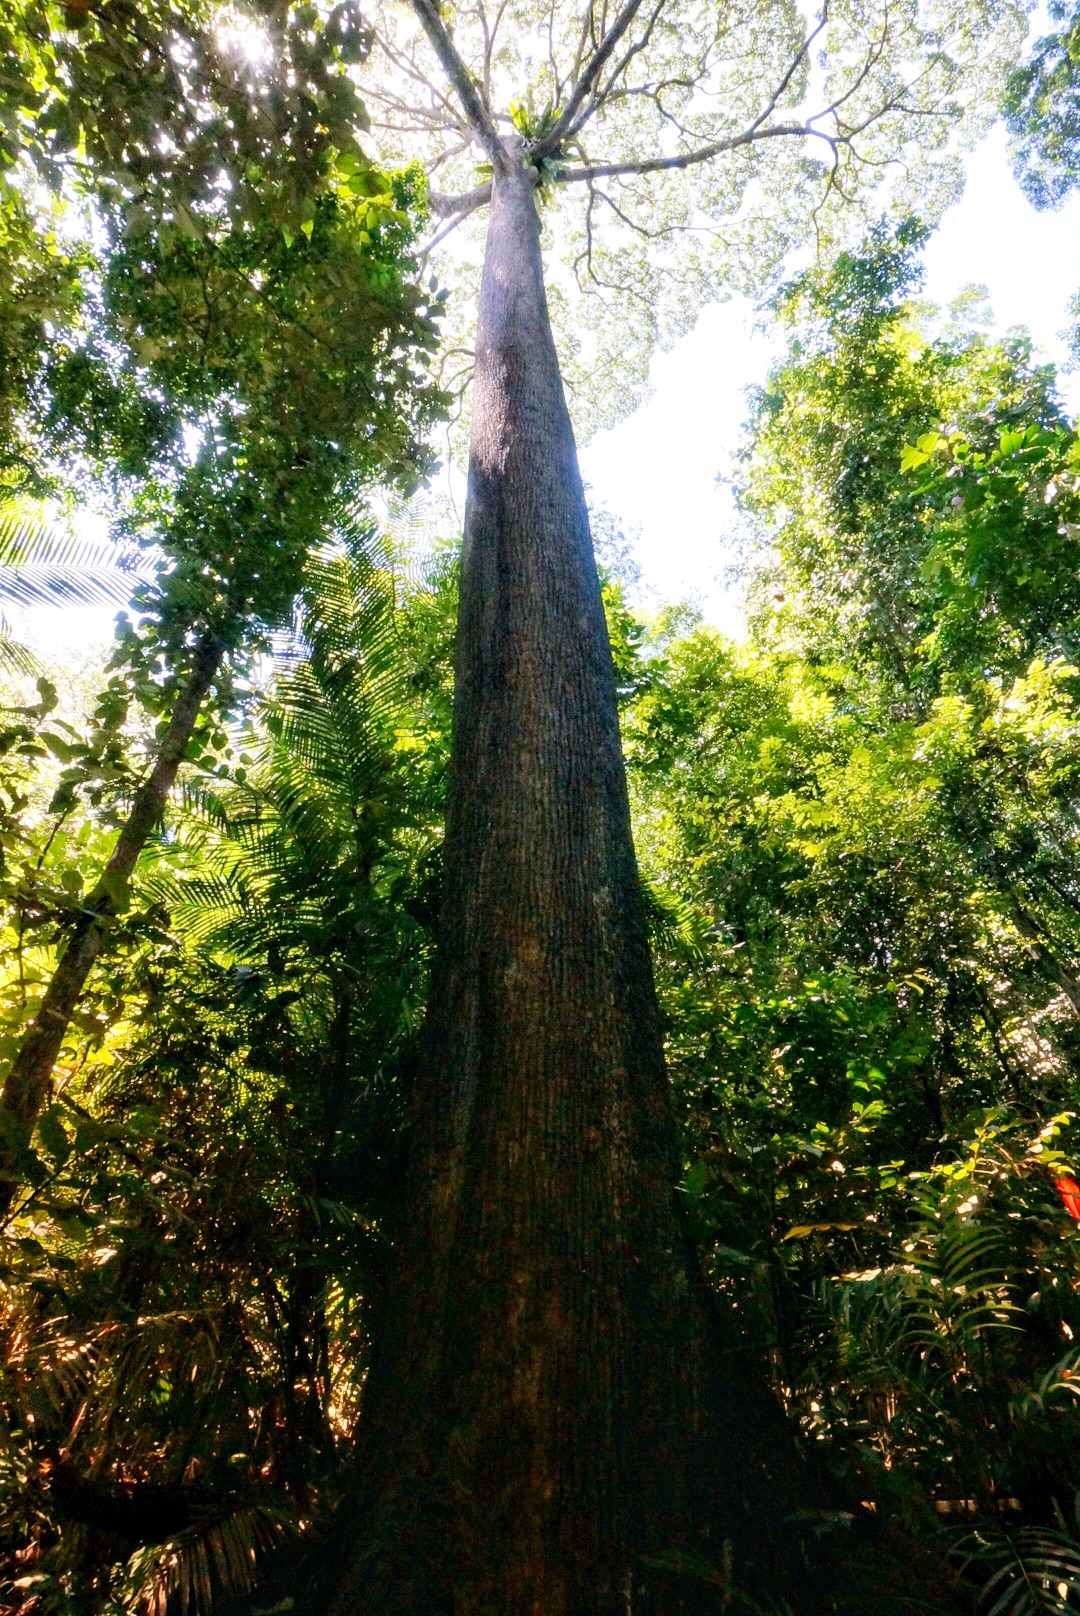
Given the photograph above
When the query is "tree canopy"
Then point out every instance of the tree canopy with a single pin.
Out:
(681, 150)
(1041, 111)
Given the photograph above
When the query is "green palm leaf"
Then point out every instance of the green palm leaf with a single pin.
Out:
(42, 564)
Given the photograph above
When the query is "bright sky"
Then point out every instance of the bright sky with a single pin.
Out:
(656, 472)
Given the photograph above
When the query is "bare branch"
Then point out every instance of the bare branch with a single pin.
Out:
(800, 56)
(583, 88)
(467, 202)
(588, 94)
(601, 94)
(655, 165)
(586, 35)
(472, 103)
(556, 77)
(489, 45)
(454, 209)
(440, 236)
(447, 156)
(652, 92)
(585, 255)
(441, 115)
(632, 224)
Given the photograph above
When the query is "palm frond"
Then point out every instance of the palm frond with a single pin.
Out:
(1062, 1377)
(14, 656)
(673, 921)
(1037, 1572)
(209, 1563)
(43, 564)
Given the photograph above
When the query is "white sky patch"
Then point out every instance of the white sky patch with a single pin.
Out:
(656, 472)
(244, 38)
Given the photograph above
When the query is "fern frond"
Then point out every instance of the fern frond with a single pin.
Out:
(1038, 1573)
(211, 1562)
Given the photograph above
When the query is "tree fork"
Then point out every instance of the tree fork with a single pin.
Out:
(29, 1080)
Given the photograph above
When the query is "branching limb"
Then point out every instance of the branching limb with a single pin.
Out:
(589, 94)
(800, 56)
(586, 36)
(467, 202)
(489, 45)
(442, 111)
(603, 93)
(585, 256)
(462, 80)
(655, 165)
(448, 155)
(584, 87)
(452, 223)
(553, 66)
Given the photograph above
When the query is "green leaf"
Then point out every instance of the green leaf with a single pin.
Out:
(53, 1134)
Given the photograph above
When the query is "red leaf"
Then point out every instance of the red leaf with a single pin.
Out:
(1069, 1190)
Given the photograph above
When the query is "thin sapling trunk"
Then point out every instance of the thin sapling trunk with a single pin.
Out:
(29, 1082)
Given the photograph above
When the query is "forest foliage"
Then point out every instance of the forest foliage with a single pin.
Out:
(858, 830)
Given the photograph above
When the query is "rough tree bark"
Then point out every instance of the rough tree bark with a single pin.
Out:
(28, 1084)
(536, 1411)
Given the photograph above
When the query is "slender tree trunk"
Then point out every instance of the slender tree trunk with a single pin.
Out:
(29, 1081)
(1035, 938)
(535, 1414)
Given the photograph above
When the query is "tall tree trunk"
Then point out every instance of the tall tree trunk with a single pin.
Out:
(536, 1408)
(29, 1081)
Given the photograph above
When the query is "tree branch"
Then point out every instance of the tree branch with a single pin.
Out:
(654, 165)
(478, 200)
(471, 101)
(441, 116)
(489, 45)
(602, 94)
(800, 56)
(1035, 936)
(583, 88)
(467, 202)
